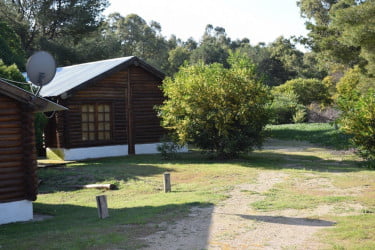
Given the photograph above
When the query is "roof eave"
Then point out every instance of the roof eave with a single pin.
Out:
(37, 103)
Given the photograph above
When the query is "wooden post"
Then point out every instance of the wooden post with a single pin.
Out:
(167, 182)
(131, 137)
(101, 201)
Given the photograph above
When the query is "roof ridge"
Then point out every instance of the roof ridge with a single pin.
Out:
(125, 58)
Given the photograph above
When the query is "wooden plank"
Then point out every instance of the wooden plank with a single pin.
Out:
(10, 157)
(15, 164)
(11, 195)
(15, 183)
(13, 177)
(131, 136)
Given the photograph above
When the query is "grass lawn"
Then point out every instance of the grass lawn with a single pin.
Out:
(196, 181)
(321, 133)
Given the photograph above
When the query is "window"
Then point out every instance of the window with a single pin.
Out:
(96, 122)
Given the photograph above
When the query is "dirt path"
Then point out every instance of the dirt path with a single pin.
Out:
(234, 224)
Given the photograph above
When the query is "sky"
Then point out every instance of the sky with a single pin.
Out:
(258, 20)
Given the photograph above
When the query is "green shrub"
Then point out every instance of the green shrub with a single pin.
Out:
(285, 107)
(358, 120)
(352, 84)
(300, 114)
(217, 109)
(12, 73)
(306, 90)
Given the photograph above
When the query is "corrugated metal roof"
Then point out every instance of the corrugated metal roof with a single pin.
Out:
(69, 77)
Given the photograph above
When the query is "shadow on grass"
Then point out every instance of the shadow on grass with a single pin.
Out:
(111, 171)
(271, 160)
(78, 227)
(123, 169)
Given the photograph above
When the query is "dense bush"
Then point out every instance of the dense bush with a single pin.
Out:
(358, 120)
(12, 73)
(306, 90)
(356, 101)
(218, 109)
(352, 84)
(286, 109)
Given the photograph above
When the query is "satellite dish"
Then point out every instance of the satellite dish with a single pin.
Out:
(41, 68)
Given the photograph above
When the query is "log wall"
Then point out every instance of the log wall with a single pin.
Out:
(113, 90)
(17, 151)
(146, 94)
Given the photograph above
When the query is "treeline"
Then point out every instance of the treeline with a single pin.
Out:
(77, 32)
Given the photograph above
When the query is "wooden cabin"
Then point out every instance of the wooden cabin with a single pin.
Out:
(18, 182)
(111, 109)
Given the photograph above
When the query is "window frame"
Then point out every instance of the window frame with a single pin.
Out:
(94, 119)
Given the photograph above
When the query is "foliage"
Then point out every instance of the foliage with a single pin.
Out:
(10, 46)
(281, 61)
(12, 73)
(285, 107)
(306, 90)
(357, 25)
(176, 58)
(358, 120)
(213, 48)
(300, 115)
(341, 32)
(36, 19)
(218, 109)
(353, 83)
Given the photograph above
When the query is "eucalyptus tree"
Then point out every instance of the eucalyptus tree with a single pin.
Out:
(213, 48)
(139, 38)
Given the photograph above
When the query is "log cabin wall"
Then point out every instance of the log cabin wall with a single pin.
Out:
(17, 151)
(65, 129)
(110, 90)
(146, 94)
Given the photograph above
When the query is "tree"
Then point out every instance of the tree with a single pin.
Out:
(138, 38)
(51, 19)
(357, 26)
(10, 47)
(213, 48)
(176, 59)
(325, 37)
(218, 109)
